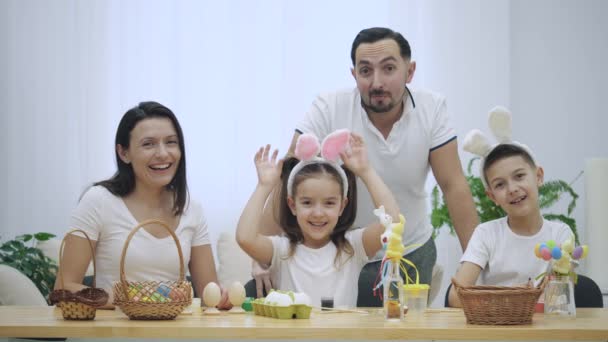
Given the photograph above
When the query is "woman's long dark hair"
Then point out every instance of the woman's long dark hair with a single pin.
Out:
(289, 222)
(122, 182)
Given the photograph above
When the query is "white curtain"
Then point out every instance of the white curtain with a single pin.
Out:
(237, 73)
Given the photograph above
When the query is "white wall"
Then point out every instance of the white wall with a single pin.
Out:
(558, 58)
(239, 74)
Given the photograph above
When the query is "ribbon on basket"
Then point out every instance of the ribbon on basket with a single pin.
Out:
(392, 244)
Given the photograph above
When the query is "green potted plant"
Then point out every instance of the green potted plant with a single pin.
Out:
(548, 194)
(23, 254)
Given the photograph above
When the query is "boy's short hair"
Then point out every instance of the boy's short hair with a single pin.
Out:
(503, 151)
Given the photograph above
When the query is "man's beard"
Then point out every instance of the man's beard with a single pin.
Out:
(380, 109)
(385, 107)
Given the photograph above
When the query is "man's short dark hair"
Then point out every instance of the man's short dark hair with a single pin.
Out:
(503, 151)
(374, 34)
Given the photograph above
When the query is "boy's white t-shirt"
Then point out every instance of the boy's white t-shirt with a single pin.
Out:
(314, 272)
(506, 258)
(107, 220)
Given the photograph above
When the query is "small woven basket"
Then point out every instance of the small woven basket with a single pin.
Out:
(152, 300)
(498, 305)
(83, 304)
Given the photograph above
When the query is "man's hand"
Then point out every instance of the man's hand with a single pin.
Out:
(224, 303)
(262, 278)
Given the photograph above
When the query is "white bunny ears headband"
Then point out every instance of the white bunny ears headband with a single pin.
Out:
(307, 149)
(478, 143)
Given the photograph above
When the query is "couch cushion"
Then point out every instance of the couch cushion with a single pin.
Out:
(17, 289)
(233, 263)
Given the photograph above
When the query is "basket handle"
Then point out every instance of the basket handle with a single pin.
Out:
(61, 256)
(123, 277)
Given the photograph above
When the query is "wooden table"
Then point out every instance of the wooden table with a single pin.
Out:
(21, 321)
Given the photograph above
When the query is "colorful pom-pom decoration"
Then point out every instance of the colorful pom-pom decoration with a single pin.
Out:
(556, 253)
(537, 250)
(560, 255)
(577, 253)
(545, 253)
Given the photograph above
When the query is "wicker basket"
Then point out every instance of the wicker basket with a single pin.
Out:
(83, 304)
(498, 305)
(152, 300)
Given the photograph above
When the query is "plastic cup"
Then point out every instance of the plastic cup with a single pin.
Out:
(415, 296)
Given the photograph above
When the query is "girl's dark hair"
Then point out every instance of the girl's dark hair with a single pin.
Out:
(122, 182)
(289, 222)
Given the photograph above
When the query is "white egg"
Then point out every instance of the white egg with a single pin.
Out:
(271, 298)
(283, 299)
(212, 295)
(301, 298)
(236, 293)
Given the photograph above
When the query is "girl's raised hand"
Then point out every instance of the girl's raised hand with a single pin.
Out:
(268, 168)
(356, 158)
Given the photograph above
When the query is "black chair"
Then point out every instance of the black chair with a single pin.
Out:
(586, 294)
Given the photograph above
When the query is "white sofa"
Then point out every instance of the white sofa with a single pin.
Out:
(232, 265)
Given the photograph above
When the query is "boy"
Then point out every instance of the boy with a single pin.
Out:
(501, 252)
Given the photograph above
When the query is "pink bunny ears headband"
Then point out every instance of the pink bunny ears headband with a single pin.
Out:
(307, 149)
(478, 143)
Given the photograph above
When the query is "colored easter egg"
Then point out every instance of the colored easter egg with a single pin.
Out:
(556, 253)
(545, 253)
(551, 244)
(164, 290)
(177, 294)
(577, 252)
(537, 250)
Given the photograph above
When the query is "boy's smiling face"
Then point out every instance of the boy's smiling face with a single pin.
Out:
(513, 185)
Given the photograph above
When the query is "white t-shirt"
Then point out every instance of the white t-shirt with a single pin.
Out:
(314, 272)
(507, 258)
(401, 160)
(107, 220)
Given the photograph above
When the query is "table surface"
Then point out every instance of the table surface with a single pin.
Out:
(40, 321)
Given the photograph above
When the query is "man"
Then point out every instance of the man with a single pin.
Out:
(407, 132)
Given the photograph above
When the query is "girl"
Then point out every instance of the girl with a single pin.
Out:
(318, 255)
(150, 183)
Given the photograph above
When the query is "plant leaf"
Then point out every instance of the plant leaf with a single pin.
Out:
(25, 237)
(43, 236)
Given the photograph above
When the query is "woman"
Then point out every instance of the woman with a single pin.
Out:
(150, 183)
